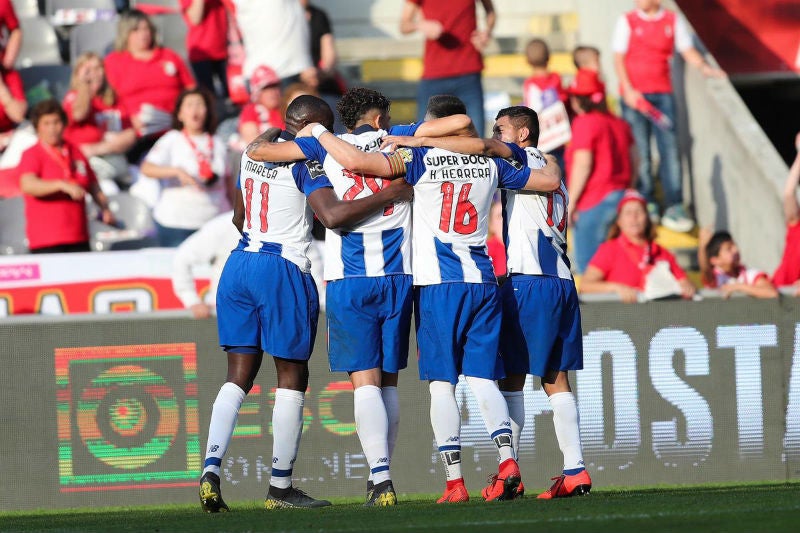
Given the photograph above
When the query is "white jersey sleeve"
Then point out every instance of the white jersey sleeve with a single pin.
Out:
(535, 228)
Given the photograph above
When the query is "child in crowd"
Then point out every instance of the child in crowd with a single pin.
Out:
(586, 57)
(721, 268)
(544, 89)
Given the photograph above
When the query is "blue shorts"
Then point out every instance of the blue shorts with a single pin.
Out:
(541, 329)
(369, 320)
(265, 303)
(458, 325)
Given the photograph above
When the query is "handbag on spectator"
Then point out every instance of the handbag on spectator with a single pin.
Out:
(659, 283)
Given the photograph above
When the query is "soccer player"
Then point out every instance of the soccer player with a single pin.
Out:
(541, 325)
(457, 303)
(267, 300)
(541, 331)
(369, 291)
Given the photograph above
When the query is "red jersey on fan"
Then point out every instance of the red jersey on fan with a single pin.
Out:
(615, 259)
(8, 23)
(265, 118)
(56, 218)
(609, 138)
(208, 40)
(13, 81)
(100, 119)
(788, 271)
(157, 81)
(549, 82)
(452, 54)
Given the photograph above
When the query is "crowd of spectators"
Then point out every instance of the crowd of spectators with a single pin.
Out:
(143, 119)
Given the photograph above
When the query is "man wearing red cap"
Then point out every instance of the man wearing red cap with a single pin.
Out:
(644, 41)
(600, 162)
(264, 109)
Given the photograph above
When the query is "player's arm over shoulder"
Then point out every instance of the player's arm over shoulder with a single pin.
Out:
(264, 148)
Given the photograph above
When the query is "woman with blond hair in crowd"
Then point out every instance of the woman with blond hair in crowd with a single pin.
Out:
(630, 259)
(95, 123)
(146, 77)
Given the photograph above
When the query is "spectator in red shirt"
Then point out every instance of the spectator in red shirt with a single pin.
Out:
(623, 262)
(788, 272)
(207, 43)
(54, 178)
(599, 162)
(452, 63)
(644, 41)
(12, 95)
(147, 78)
(264, 111)
(95, 124)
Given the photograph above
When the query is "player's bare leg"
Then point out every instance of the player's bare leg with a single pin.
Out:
(242, 371)
(372, 426)
(574, 480)
(287, 425)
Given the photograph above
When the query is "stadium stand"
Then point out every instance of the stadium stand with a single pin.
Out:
(40, 50)
(26, 8)
(12, 226)
(95, 37)
(171, 30)
(45, 81)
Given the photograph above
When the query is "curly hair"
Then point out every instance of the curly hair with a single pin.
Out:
(356, 102)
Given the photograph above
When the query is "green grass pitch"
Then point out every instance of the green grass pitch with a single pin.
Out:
(768, 507)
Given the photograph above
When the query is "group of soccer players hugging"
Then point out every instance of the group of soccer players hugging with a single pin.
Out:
(426, 196)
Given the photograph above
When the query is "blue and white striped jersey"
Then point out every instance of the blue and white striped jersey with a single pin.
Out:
(452, 198)
(379, 245)
(535, 227)
(278, 219)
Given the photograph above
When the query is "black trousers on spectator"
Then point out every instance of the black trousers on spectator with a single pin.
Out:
(63, 248)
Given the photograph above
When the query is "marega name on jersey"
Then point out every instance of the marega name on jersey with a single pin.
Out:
(267, 172)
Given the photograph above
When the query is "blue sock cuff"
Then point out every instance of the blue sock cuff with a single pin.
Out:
(573, 471)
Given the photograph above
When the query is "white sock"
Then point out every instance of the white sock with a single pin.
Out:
(223, 420)
(372, 426)
(287, 426)
(446, 422)
(392, 403)
(566, 424)
(495, 414)
(515, 401)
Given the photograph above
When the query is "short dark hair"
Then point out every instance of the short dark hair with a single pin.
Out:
(357, 102)
(210, 124)
(715, 243)
(445, 105)
(537, 53)
(47, 107)
(581, 54)
(522, 117)
(306, 109)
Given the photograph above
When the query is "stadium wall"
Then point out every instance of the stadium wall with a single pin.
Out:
(97, 408)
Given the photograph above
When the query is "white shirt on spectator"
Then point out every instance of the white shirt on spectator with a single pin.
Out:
(276, 34)
(183, 206)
